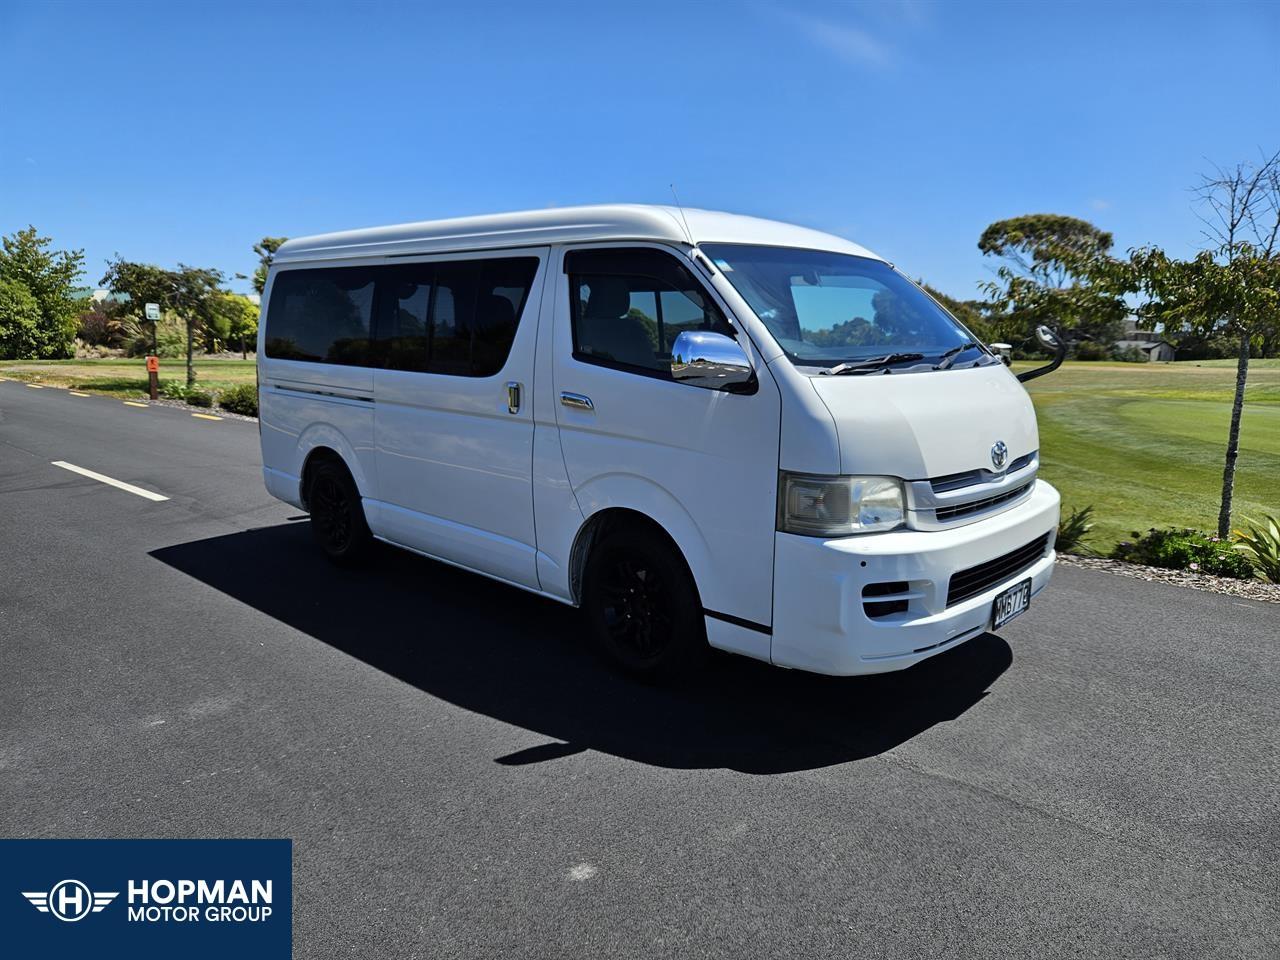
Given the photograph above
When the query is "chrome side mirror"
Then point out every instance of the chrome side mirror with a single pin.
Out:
(1050, 340)
(711, 360)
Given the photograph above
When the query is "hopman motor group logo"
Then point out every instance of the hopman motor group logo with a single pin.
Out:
(162, 901)
(146, 899)
(70, 900)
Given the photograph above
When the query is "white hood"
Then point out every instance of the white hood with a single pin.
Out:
(922, 425)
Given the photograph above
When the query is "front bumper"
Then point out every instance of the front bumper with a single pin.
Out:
(820, 622)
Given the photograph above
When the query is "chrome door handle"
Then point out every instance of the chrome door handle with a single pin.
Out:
(513, 396)
(576, 400)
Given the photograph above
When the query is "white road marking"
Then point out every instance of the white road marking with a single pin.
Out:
(74, 394)
(118, 484)
(35, 386)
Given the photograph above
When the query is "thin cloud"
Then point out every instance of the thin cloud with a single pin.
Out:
(851, 44)
(1099, 204)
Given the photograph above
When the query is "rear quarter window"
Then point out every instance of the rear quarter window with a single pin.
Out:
(321, 316)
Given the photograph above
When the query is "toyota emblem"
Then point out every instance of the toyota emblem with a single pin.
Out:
(999, 455)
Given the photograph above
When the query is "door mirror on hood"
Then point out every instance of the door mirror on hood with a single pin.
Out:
(711, 360)
(1050, 340)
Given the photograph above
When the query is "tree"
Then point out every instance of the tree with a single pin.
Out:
(190, 292)
(238, 315)
(265, 249)
(195, 294)
(1231, 289)
(972, 313)
(143, 283)
(1046, 277)
(49, 276)
(19, 321)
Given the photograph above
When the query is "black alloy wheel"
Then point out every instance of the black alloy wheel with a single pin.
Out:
(337, 517)
(643, 605)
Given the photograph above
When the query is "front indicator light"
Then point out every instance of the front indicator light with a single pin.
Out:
(839, 506)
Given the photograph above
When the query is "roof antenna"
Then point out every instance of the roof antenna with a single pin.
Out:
(687, 232)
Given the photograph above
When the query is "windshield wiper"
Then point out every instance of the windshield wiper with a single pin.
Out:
(875, 363)
(949, 357)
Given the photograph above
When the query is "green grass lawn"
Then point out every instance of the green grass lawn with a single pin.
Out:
(1143, 442)
(127, 378)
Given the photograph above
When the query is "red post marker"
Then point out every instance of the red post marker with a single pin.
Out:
(153, 375)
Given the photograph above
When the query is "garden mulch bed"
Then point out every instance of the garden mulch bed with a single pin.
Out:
(182, 405)
(1246, 589)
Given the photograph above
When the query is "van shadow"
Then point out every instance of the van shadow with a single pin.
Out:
(524, 660)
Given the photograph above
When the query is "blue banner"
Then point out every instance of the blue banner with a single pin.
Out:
(146, 899)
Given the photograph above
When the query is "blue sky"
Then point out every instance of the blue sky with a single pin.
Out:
(186, 131)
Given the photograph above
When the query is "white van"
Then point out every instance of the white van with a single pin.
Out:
(701, 428)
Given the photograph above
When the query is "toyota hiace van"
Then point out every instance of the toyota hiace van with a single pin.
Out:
(701, 428)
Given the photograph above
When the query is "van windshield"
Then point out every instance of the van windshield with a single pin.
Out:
(828, 308)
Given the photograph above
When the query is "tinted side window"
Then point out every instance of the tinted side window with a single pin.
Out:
(629, 305)
(404, 328)
(321, 315)
(455, 317)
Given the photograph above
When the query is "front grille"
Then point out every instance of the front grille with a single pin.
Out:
(977, 506)
(971, 582)
(958, 481)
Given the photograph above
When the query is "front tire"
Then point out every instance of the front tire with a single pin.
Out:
(337, 515)
(643, 606)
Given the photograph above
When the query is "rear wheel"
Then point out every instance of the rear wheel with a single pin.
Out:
(643, 606)
(337, 516)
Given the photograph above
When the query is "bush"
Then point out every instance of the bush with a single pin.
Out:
(1131, 355)
(1091, 350)
(98, 328)
(1183, 549)
(135, 337)
(1073, 529)
(241, 399)
(1261, 545)
(19, 321)
(88, 351)
(178, 390)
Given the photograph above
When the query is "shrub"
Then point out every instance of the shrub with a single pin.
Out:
(173, 390)
(241, 399)
(1131, 355)
(199, 397)
(89, 351)
(98, 328)
(19, 321)
(1261, 545)
(135, 337)
(1073, 529)
(1091, 350)
(1181, 549)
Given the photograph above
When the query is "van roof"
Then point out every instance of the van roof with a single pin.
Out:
(561, 225)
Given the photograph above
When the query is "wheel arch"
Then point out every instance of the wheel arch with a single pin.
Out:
(324, 440)
(316, 456)
(612, 519)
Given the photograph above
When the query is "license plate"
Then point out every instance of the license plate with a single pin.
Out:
(1009, 604)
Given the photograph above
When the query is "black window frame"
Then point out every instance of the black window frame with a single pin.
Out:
(678, 273)
(369, 341)
(384, 277)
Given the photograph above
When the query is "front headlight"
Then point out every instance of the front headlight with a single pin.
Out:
(839, 506)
